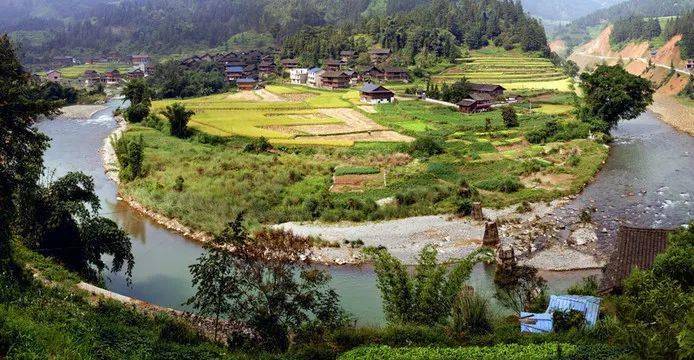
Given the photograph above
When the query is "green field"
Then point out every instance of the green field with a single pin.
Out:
(250, 115)
(74, 72)
(292, 183)
(512, 69)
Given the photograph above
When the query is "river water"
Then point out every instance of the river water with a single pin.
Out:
(647, 156)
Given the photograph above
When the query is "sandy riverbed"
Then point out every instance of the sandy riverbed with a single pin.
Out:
(81, 111)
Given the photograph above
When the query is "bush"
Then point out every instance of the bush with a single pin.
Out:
(391, 335)
(179, 332)
(136, 113)
(356, 170)
(509, 116)
(498, 352)
(503, 183)
(155, 122)
(178, 186)
(567, 320)
(553, 131)
(130, 154)
(425, 146)
(471, 315)
(258, 145)
(464, 207)
(588, 286)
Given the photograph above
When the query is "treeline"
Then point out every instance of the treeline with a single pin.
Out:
(634, 28)
(684, 25)
(318, 28)
(435, 29)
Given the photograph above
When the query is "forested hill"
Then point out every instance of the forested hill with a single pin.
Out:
(564, 10)
(577, 31)
(183, 26)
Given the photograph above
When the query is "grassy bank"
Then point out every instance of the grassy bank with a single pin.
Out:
(294, 183)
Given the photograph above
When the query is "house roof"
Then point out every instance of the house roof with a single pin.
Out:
(480, 96)
(52, 71)
(246, 81)
(467, 102)
(394, 69)
(374, 88)
(379, 51)
(636, 247)
(265, 63)
(334, 74)
(543, 322)
(289, 61)
(346, 53)
(485, 87)
(314, 70)
(234, 69)
(333, 62)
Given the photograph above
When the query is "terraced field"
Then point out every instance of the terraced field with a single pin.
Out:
(512, 70)
(74, 72)
(287, 115)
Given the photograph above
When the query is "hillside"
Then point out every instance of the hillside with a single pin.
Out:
(163, 27)
(578, 31)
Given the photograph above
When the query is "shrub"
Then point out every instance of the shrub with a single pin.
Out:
(356, 170)
(503, 183)
(509, 116)
(130, 154)
(136, 113)
(542, 351)
(464, 207)
(153, 121)
(179, 332)
(566, 320)
(425, 146)
(178, 186)
(258, 145)
(471, 315)
(588, 286)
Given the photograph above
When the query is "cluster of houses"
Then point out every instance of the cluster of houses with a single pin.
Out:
(481, 97)
(247, 68)
(142, 66)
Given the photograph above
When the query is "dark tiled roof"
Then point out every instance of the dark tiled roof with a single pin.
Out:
(246, 81)
(346, 53)
(636, 247)
(333, 62)
(334, 74)
(480, 96)
(373, 88)
(394, 69)
(236, 69)
(289, 61)
(467, 102)
(379, 51)
(485, 87)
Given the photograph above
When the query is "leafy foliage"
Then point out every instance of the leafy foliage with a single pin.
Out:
(613, 94)
(425, 297)
(172, 80)
(471, 315)
(519, 288)
(499, 352)
(567, 320)
(509, 116)
(634, 28)
(130, 154)
(178, 117)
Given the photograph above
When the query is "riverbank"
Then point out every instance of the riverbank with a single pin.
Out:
(673, 112)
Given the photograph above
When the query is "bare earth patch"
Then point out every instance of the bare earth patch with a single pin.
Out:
(244, 96)
(268, 96)
(345, 183)
(298, 97)
(547, 181)
(368, 108)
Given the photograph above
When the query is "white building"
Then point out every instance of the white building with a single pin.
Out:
(314, 77)
(298, 76)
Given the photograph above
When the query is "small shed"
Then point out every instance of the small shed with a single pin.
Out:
(54, 75)
(543, 322)
(375, 94)
(470, 105)
(246, 84)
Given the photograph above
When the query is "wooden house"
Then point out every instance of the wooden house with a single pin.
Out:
(375, 94)
(246, 84)
(289, 64)
(379, 55)
(54, 76)
(334, 80)
(267, 67)
(353, 77)
(475, 102)
(393, 73)
(139, 59)
(62, 61)
(636, 248)
(370, 73)
(492, 90)
(233, 72)
(332, 65)
(136, 74)
(346, 56)
(91, 78)
(250, 71)
(112, 77)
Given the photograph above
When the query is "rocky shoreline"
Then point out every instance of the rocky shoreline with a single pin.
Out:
(535, 235)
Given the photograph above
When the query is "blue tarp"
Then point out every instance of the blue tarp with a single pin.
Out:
(542, 322)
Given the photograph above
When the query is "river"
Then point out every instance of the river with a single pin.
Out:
(647, 156)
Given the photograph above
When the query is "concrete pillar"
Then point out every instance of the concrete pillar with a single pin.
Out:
(491, 234)
(477, 211)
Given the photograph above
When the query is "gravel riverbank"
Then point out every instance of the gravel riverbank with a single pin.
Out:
(81, 111)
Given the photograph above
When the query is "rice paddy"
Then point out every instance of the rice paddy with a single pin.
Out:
(513, 70)
(74, 72)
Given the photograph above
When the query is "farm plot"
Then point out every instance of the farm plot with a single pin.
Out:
(287, 115)
(515, 69)
(74, 72)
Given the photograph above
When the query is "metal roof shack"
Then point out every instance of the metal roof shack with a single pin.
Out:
(636, 247)
(544, 323)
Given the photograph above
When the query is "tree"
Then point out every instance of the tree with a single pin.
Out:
(425, 297)
(509, 116)
(178, 117)
(140, 96)
(519, 288)
(267, 286)
(130, 153)
(213, 274)
(21, 145)
(61, 220)
(571, 68)
(613, 94)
